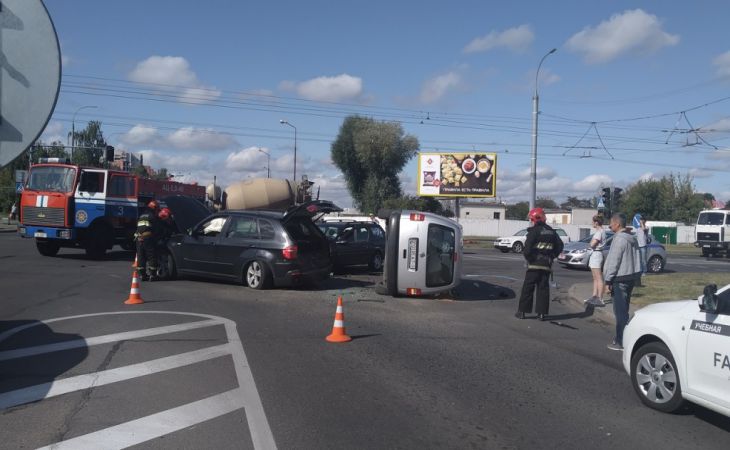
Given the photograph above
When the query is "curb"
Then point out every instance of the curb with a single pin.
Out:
(579, 291)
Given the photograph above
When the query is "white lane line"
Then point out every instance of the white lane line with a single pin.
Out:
(492, 276)
(258, 425)
(99, 340)
(156, 425)
(86, 381)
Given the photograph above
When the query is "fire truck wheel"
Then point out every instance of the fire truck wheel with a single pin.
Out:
(47, 248)
(99, 238)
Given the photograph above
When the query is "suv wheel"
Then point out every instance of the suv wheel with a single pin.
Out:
(655, 378)
(257, 275)
(517, 247)
(376, 262)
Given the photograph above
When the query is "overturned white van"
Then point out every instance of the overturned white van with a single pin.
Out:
(423, 254)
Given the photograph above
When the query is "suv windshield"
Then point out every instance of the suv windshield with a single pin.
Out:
(52, 178)
(711, 218)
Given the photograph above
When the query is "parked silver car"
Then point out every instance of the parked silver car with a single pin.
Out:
(576, 254)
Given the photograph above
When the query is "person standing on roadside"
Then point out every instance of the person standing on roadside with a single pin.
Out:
(148, 232)
(542, 245)
(595, 262)
(642, 238)
(620, 271)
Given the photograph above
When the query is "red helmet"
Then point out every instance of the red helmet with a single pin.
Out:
(164, 213)
(153, 205)
(537, 215)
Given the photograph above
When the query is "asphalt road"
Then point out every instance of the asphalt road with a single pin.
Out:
(212, 365)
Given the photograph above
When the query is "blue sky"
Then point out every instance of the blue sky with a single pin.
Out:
(199, 87)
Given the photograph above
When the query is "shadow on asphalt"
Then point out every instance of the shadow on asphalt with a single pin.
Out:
(116, 255)
(707, 415)
(34, 370)
(476, 290)
(588, 312)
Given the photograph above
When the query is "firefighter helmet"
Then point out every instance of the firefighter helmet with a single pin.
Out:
(537, 215)
(153, 205)
(164, 213)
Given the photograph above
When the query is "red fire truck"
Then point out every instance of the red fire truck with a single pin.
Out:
(64, 205)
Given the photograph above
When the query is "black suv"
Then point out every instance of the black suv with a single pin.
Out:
(259, 248)
(355, 243)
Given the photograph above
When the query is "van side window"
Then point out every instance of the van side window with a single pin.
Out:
(121, 186)
(92, 182)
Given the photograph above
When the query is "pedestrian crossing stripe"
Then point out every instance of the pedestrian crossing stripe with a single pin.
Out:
(140, 430)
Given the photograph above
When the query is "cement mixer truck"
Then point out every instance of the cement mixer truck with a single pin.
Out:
(266, 193)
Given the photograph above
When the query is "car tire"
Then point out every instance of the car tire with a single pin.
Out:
(47, 248)
(376, 262)
(655, 378)
(517, 247)
(655, 264)
(167, 271)
(257, 275)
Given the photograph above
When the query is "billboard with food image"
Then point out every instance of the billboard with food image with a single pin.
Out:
(457, 174)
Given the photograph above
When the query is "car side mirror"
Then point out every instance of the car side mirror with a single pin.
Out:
(708, 300)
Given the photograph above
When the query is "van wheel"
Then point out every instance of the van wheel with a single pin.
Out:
(655, 379)
(517, 247)
(47, 248)
(257, 275)
(655, 264)
(376, 262)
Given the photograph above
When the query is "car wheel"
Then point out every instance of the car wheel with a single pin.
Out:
(257, 275)
(517, 247)
(376, 262)
(655, 378)
(167, 270)
(655, 264)
(47, 248)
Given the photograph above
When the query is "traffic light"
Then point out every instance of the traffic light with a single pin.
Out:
(606, 197)
(616, 198)
(109, 154)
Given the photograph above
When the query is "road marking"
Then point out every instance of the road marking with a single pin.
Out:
(493, 276)
(99, 340)
(156, 425)
(90, 380)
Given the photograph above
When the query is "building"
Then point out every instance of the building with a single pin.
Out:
(482, 210)
(125, 161)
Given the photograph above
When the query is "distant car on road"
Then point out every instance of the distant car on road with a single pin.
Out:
(516, 242)
(576, 254)
(355, 244)
(677, 351)
(259, 248)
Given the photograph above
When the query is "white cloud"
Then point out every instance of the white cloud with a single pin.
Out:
(547, 77)
(196, 138)
(248, 160)
(720, 126)
(648, 176)
(631, 31)
(187, 138)
(53, 132)
(141, 135)
(174, 162)
(435, 88)
(722, 63)
(517, 39)
(173, 73)
(331, 89)
(592, 183)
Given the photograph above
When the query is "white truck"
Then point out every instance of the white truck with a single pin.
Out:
(712, 232)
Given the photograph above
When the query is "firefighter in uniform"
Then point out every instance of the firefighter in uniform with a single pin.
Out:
(167, 224)
(542, 245)
(147, 235)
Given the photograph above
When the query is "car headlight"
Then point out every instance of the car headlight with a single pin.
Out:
(581, 251)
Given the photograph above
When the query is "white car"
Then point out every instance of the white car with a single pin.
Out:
(516, 242)
(677, 351)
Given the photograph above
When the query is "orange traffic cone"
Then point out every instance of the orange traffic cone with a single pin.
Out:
(338, 330)
(135, 262)
(134, 297)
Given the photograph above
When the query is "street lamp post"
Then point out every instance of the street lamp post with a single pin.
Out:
(535, 102)
(268, 162)
(73, 129)
(284, 122)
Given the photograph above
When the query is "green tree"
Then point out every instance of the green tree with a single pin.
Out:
(428, 204)
(371, 154)
(671, 198)
(518, 211)
(546, 203)
(89, 145)
(575, 202)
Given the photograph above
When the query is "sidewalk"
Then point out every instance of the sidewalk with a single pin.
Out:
(581, 291)
(5, 228)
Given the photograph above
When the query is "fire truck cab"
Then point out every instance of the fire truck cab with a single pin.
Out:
(64, 205)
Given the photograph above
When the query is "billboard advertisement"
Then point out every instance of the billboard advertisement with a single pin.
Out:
(457, 174)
